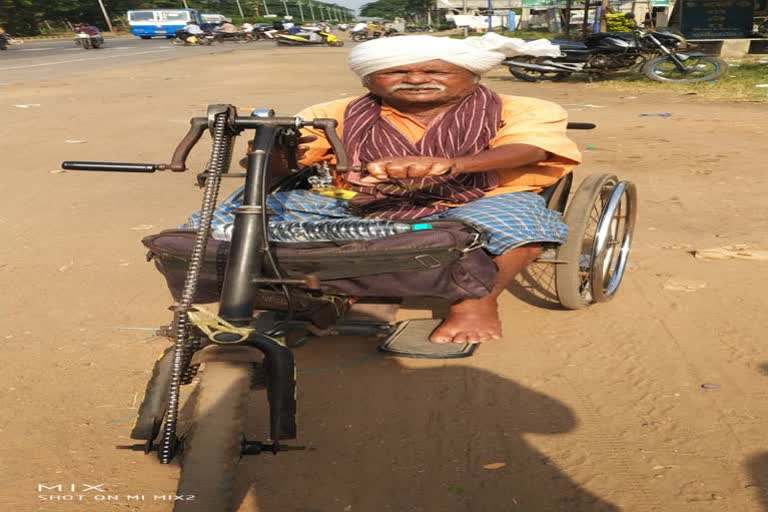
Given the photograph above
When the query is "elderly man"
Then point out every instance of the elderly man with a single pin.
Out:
(431, 142)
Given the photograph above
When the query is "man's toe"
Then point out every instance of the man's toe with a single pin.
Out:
(466, 337)
(439, 338)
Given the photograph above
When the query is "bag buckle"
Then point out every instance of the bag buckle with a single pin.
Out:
(428, 261)
(475, 244)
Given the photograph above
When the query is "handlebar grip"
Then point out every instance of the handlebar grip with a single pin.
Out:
(581, 126)
(108, 166)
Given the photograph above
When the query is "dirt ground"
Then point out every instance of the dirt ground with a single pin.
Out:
(594, 410)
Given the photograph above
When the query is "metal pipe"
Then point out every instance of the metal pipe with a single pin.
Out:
(245, 259)
(108, 166)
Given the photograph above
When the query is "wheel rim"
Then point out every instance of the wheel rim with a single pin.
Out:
(695, 67)
(538, 75)
(612, 242)
(586, 257)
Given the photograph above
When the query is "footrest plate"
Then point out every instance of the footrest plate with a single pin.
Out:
(411, 339)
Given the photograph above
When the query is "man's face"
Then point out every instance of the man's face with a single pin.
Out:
(431, 82)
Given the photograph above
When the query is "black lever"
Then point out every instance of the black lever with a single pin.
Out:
(581, 126)
(110, 166)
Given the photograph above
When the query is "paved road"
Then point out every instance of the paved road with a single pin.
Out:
(37, 60)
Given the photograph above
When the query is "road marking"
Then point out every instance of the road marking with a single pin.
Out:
(81, 60)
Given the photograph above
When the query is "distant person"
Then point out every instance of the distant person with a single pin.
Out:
(189, 30)
(358, 28)
(3, 39)
(193, 29)
(84, 28)
(227, 28)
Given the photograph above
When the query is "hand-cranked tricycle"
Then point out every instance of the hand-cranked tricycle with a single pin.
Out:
(273, 296)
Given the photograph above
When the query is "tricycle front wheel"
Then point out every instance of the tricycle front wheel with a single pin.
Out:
(213, 446)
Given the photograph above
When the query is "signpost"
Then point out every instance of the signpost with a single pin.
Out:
(716, 19)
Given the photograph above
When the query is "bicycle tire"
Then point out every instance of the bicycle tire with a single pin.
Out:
(213, 446)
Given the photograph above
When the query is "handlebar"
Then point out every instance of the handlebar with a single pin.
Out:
(198, 126)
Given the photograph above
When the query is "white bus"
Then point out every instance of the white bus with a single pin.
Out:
(147, 23)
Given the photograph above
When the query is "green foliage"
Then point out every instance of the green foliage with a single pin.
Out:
(27, 17)
(390, 9)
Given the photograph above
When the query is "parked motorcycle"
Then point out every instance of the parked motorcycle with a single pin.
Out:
(366, 36)
(655, 54)
(419, 28)
(309, 39)
(234, 37)
(762, 30)
(183, 38)
(88, 41)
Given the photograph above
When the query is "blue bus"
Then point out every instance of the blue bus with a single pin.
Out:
(147, 23)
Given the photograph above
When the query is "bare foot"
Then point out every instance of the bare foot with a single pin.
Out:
(470, 321)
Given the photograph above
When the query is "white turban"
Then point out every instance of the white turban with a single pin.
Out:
(477, 54)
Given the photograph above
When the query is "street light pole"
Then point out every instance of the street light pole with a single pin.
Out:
(266, 9)
(490, 16)
(286, 8)
(182, 1)
(240, 9)
(106, 18)
(466, 27)
(301, 11)
(312, 10)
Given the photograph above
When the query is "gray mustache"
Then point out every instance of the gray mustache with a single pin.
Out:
(412, 86)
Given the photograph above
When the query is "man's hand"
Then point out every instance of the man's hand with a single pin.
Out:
(387, 169)
(301, 150)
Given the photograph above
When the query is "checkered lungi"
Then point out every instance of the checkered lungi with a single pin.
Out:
(506, 220)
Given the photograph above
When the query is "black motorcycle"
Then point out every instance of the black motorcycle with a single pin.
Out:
(653, 53)
(367, 36)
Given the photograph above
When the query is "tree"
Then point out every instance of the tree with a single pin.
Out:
(390, 9)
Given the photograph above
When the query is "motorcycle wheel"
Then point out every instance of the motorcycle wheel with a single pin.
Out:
(359, 37)
(86, 43)
(178, 42)
(531, 75)
(697, 69)
(336, 43)
(213, 447)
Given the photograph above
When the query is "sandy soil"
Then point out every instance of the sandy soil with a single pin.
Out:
(595, 410)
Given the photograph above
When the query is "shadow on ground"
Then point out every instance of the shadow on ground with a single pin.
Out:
(383, 436)
(757, 467)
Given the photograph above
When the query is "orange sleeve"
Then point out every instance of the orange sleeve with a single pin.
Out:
(538, 123)
(320, 149)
